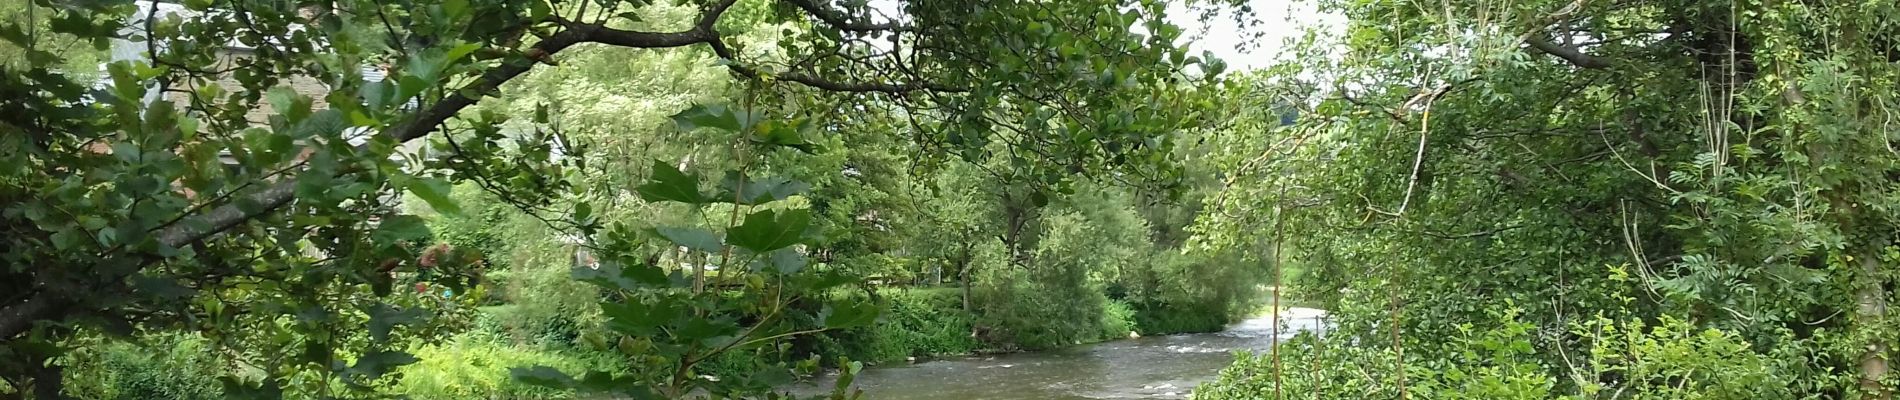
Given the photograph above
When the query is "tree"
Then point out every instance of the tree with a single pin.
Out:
(1724, 163)
(125, 215)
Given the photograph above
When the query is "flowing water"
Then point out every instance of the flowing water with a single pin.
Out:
(1158, 367)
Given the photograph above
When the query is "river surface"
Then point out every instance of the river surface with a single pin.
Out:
(1156, 367)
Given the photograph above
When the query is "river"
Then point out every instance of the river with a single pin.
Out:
(1155, 367)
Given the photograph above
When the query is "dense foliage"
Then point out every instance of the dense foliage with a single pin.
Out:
(359, 199)
(1675, 199)
(661, 199)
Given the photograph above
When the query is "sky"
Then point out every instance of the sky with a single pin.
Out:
(1240, 48)
(1280, 20)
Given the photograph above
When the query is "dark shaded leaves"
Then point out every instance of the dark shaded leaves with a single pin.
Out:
(848, 314)
(669, 184)
(769, 230)
(692, 238)
(374, 365)
(436, 192)
(383, 318)
(753, 192)
(543, 376)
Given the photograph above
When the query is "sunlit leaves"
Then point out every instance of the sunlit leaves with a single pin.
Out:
(793, 134)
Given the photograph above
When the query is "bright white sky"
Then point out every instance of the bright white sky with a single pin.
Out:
(1280, 20)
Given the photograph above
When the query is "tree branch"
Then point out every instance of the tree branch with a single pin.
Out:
(891, 88)
(1574, 56)
(840, 20)
(19, 317)
(1470, 234)
(45, 304)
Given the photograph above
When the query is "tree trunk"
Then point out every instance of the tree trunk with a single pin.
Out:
(1873, 311)
(963, 273)
(965, 277)
(49, 383)
(46, 382)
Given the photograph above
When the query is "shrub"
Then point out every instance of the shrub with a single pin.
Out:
(1675, 360)
(1626, 360)
(918, 323)
(161, 367)
(475, 366)
(1161, 318)
(1118, 319)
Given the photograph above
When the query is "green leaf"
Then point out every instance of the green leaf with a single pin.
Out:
(599, 381)
(707, 329)
(647, 274)
(458, 52)
(455, 9)
(293, 106)
(383, 318)
(669, 184)
(543, 376)
(753, 192)
(321, 123)
(374, 365)
(639, 319)
(710, 116)
(613, 275)
(401, 227)
(436, 192)
(583, 212)
(848, 371)
(769, 230)
(163, 288)
(409, 86)
(848, 314)
(783, 261)
(787, 135)
(692, 238)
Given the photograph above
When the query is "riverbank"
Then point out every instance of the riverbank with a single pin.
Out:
(931, 323)
(919, 326)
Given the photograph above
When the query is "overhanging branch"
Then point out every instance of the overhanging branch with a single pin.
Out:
(1574, 56)
(840, 20)
(45, 304)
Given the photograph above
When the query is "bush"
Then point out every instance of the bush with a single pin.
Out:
(162, 367)
(1019, 313)
(1162, 318)
(1118, 319)
(1630, 360)
(918, 323)
(1197, 292)
(475, 366)
(1676, 360)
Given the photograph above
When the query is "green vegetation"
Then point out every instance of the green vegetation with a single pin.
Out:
(363, 199)
(1653, 199)
(1565, 199)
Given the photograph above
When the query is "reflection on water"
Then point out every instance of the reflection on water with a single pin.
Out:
(1161, 367)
